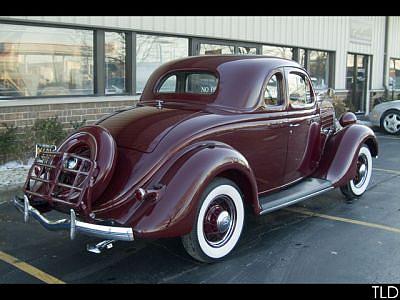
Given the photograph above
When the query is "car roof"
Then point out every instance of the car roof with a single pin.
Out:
(241, 77)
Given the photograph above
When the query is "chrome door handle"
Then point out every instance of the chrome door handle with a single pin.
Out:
(294, 125)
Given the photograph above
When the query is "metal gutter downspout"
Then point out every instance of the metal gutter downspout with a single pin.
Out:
(385, 57)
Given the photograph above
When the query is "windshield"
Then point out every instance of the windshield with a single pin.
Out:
(202, 83)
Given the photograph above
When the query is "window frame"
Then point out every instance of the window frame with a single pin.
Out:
(165, 78)
(283, 85)
(181, 76)
(134, 58)
(368, 79)
(393, 59)
(195, 45)
(99, 80)
(330, 64)
(127, 53)
(299, 71)
(294, 50)
(61, 26)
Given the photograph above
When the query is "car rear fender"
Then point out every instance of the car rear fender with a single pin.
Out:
(338, 162)
(182, 182)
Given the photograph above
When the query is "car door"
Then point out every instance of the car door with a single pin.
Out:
(270, 145)
(261, 136)
(303, 126)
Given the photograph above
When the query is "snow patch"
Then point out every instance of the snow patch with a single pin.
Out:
(13, 174)
(11, 165)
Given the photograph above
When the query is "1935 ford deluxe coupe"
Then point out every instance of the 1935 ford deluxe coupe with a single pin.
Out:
(210, 136)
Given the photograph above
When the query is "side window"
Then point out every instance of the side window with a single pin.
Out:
(169, 85)
(272, 93)
(299, 90)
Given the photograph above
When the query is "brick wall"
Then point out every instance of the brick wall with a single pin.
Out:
(22, 116)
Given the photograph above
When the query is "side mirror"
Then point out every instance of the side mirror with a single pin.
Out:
(347, 118)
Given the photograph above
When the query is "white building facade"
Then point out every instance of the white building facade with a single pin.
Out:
(72, 61)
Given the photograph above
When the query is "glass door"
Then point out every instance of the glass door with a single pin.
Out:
(356, 82)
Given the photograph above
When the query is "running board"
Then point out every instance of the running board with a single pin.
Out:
(303, 190)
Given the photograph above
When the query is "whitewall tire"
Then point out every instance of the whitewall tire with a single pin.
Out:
(219, 222)
(358, 185)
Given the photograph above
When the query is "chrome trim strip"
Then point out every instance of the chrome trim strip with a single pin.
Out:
(72, 231)
(73, 225)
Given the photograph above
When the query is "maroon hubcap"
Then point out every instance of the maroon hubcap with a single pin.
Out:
(219, 221)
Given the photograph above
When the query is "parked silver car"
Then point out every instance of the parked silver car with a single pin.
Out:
(386, 115)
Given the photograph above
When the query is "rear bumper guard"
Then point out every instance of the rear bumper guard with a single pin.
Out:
(72, 224)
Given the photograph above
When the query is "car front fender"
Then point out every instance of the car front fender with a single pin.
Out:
(182, 182)
(338, 162)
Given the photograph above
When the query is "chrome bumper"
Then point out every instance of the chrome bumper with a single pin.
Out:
(73, 225)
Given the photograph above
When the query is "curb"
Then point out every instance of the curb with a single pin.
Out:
(366, 123)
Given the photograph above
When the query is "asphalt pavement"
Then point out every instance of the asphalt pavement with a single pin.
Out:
(325, 239)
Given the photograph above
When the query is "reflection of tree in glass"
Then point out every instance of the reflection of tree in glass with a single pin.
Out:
(247, 50)
(115, 54)
(276, 51)
(158, 49)
(318, 67)
(144, 45)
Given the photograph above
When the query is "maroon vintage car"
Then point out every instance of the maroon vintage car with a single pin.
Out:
(210, 136)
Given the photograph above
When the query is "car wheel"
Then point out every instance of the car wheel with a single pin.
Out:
(219, 222)
(357, 186)
(390, 122)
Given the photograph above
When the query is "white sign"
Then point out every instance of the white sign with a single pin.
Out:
(360, 31)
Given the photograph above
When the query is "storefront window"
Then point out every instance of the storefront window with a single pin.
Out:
(211, 49)
(318, 67)
(302, 58)
(44, 61)
(115, 54)
(356, 82)
(152, 51)
(394, 74)
(247, 50)
(350, 71)
(283, 52)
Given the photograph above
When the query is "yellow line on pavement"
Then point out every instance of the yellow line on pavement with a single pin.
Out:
(388, 171)
(314, 214)
(387, 137)
(27, 268)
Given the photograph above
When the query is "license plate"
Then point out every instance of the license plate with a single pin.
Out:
(39, 148)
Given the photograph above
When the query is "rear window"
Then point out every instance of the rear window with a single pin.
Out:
(202, 83)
